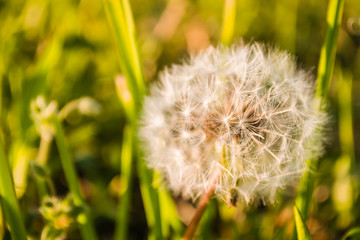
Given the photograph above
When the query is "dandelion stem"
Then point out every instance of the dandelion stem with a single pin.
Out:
(204, 201)
(201, 207)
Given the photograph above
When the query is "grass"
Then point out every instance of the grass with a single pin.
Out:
(326, 65)
(120, 19)
(9, 203)
(84, 219)
(71, 49)
(301, 229)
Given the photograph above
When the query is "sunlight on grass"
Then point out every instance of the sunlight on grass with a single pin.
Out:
(78, 171)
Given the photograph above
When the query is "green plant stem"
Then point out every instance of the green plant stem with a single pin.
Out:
(86, 226)
(121, 22)
(9, 201)
(126, 185)
(41, 159)
(328, 50)
(119, 16)
(150, 198)
(326, 65)
(228, 22)
(301, 229)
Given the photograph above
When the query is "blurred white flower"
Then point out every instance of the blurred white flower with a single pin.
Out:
(244, 113)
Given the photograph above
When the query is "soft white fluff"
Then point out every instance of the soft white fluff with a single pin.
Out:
(246, 111)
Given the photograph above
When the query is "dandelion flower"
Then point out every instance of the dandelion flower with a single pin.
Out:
(244, 113)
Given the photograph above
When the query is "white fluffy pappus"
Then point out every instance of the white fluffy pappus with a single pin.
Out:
(242, 114)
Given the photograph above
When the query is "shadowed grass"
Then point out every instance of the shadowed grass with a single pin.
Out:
(8, 199)
(351, 233)
(86, 226)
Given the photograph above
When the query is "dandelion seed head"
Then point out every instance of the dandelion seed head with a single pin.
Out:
(246, 112)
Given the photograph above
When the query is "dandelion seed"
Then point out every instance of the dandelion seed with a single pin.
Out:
(243, 113)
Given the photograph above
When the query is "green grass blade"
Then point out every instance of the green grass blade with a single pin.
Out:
(9, 201)
(120, 19)
(229, 14)
(352, 232)
(169, 215)
(125, 183)
(306, 189)
(150, 199)
(86, 226)
(302, 231)
(41, 160)
(328, 50)
(149, 195)
(326, 63)
(126, 98)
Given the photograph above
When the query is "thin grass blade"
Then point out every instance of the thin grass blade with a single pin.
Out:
(325, 68)
(126, 184)
(326, 63)
(229, 14)
(328, 50)
(120, 19)
(302, 231)
(9, 201)
(86, 226)
(351, 233)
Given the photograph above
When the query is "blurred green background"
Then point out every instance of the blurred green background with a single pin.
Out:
(64, 50)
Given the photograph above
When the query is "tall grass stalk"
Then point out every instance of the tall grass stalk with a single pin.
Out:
(228, 22)
(119, 16)
(121, 22)
(127, 152)
(326, 65)
(86, 226)
(126, 185)
(328, 50)
(9, 201)
(301, 229)
(41, 160)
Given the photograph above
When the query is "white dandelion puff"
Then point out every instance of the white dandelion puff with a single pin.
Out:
(244, 112)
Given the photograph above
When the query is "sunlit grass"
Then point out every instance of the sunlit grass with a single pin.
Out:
(65, 50)
(326, 65)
